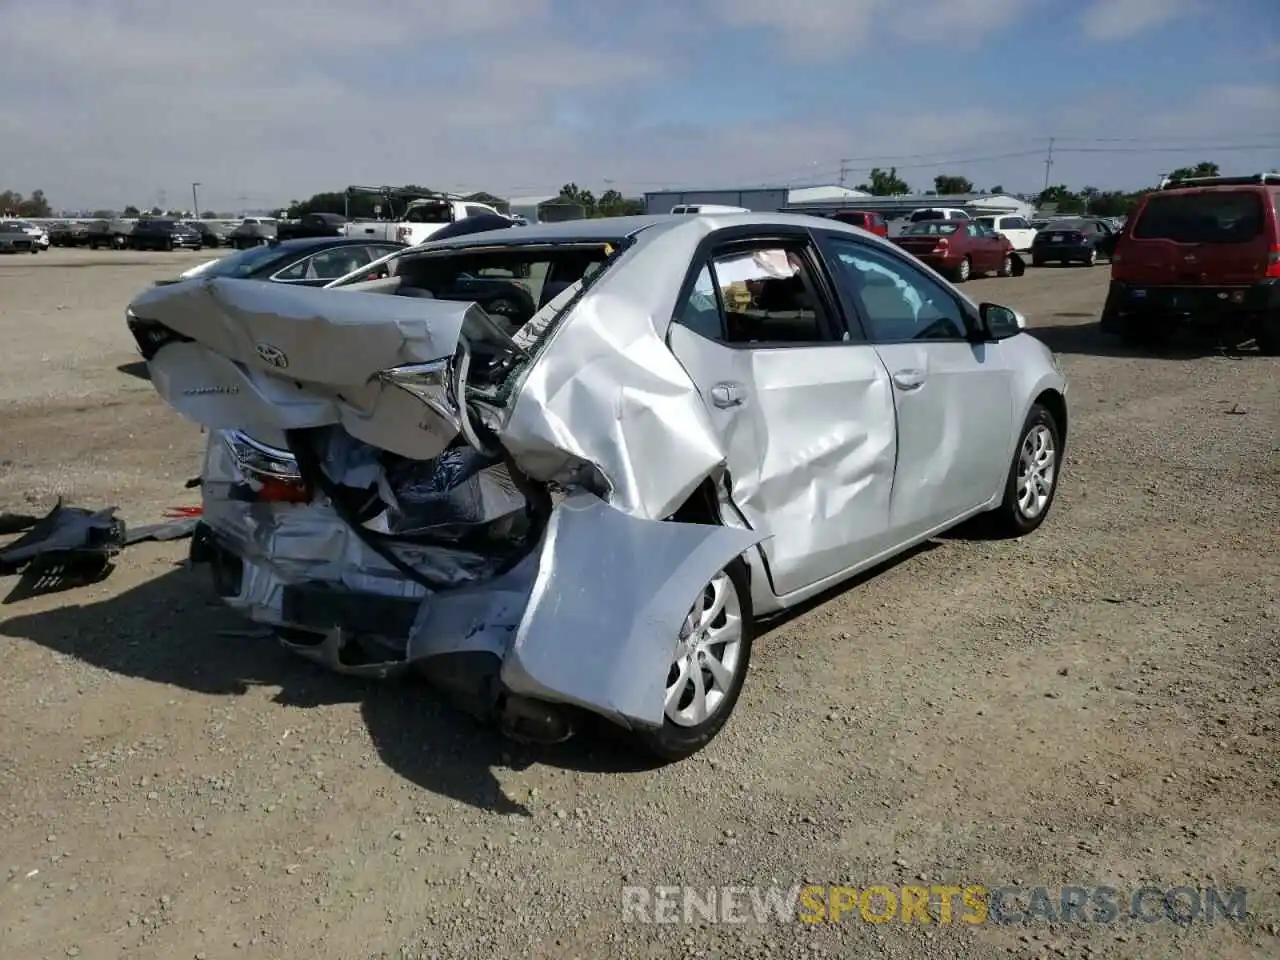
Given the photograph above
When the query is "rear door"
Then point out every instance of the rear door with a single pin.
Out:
(805, 409)
(1199, 237)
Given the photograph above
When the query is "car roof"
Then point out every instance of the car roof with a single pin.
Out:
(604, 229)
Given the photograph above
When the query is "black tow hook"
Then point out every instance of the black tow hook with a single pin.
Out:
(534, 721)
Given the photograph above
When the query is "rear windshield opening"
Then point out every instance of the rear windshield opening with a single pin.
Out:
(1219, 216)
(430, 213)
(933, 229)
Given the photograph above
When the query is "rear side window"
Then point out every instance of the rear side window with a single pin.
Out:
(1215, 216)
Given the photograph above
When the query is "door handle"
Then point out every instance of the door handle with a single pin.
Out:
(909, 379)
(726, 395)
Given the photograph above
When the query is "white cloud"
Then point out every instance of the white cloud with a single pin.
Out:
(830, 28)
(1108, 20)
(121, 100)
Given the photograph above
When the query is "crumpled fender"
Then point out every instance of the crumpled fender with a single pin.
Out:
(608, 599)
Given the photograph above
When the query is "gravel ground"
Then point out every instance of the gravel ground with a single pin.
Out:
(1096, 704)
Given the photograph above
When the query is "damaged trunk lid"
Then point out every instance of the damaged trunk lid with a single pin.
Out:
(239, 355)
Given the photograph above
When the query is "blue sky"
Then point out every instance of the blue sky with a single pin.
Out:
(126, 99)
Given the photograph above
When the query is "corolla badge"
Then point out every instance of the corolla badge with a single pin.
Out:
(272, 355)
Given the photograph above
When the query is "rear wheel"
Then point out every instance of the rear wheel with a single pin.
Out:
(1037, 261)
(1092, 259)
(1268, 336)
(709, 667)
(964, 271)
(1006, 266)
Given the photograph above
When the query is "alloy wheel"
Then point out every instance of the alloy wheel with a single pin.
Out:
(1037, 471)
(708, 656)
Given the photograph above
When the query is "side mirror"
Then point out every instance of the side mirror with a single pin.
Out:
(1001, 323)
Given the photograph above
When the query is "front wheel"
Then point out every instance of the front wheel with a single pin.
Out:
(1033, 475)
(709, 667)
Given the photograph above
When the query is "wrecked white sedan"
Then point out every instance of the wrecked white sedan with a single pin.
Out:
(676, 426)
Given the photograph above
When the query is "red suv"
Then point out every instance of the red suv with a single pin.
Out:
(870, 222)
(1201, 253)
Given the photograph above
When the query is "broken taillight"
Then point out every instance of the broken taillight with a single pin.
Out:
(271, 475)
(275, 490)
(1273, 262)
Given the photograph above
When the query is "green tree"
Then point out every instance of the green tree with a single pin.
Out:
(614, 204)
(884, 183)
(103, 214)
(1062, 198)
(945, 183)
(572, 193)
(208, 215)
(999, 188)
(36, 205)
(1202, 169)
(131, 212)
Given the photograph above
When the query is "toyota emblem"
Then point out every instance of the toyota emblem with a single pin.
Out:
(272, 355)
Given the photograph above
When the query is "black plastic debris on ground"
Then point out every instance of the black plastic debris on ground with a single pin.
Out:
(69, 546)
(72, 546)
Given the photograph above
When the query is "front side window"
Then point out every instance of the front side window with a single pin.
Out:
(897, 301)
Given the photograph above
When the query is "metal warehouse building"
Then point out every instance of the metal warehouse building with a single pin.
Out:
(759, 199)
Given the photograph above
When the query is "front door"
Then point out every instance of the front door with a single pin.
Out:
(953, 396)
(806, 416)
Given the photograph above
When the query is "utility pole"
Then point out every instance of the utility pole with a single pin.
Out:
(845, 169)
(1048, 163)
(162, 195)
(195, 202)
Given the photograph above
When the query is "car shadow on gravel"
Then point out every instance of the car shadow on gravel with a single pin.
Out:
(1085, 339)
(138, 368)
(172, 630)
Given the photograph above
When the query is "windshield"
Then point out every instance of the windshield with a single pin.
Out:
(241, 265)
(927, 215)
(1219, 216)
(1078, 226)
(937, 228)
(989, 222)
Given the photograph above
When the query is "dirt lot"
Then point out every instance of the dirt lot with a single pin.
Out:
(1096, 704)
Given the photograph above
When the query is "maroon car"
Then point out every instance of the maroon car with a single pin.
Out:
(959, 248)
(871, 222)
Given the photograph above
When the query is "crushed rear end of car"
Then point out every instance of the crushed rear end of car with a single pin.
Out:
(394, 483)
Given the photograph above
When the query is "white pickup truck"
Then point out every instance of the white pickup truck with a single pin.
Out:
(421, 219)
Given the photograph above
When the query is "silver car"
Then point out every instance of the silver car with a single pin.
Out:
(682, 426)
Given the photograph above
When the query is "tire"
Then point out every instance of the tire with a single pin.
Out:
(1268, 336)
(1006, 266)
(680, 740)
(964, 271)
(1018, 513)
(1037, 261)
(1092, 260)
